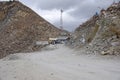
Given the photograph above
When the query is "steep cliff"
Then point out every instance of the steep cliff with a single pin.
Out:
(20, 28)
(101, 34)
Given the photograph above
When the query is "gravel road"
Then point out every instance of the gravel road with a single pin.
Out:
(58, 63)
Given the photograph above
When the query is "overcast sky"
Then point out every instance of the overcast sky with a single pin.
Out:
(75, 11)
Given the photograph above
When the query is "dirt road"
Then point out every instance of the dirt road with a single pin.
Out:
(58, 63)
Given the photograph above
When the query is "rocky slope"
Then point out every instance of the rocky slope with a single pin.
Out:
(20, 28)
(101, 34)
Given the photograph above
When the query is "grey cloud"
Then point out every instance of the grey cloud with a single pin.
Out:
(87, 10)
(58, 4)
(70, 26)
(82, 9)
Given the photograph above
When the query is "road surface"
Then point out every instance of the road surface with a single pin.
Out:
(59, 63)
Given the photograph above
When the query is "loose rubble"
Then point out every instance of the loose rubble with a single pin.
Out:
(21, 28)
(101, 33)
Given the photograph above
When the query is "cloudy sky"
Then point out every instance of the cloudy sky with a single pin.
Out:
(75, 11)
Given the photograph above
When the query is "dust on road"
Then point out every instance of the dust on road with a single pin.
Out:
(58, 63)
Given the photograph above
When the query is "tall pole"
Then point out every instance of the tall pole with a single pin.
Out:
(61, 20)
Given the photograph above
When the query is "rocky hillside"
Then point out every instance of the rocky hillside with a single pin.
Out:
(100, 34)
(20, 28)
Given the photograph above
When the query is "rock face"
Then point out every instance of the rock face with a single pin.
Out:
(101, 34)
(20, 28)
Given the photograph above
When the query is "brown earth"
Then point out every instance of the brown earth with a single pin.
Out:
(20, 28)
(101, 33)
